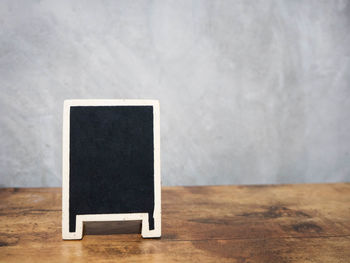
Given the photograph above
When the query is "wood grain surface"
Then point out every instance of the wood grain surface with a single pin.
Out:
(285, 223)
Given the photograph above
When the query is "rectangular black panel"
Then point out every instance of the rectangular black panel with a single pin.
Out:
(111, 161)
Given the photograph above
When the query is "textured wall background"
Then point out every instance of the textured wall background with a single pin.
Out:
(250, 91)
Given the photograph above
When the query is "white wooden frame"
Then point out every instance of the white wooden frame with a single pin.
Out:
(145, 232)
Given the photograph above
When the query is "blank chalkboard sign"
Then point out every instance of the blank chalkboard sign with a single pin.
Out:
(111, 164)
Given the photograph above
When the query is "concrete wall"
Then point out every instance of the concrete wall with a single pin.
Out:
(250, 91)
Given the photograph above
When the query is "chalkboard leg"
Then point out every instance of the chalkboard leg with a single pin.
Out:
(150, 227)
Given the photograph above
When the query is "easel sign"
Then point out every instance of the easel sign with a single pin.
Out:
(111, 164)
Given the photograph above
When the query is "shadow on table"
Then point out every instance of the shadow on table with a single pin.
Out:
(112, 227)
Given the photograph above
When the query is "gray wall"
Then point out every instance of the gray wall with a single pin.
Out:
(250, 91)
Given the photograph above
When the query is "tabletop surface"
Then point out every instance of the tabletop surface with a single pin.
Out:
(261, 223)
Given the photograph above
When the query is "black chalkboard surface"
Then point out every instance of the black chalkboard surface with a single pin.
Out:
(111, 164)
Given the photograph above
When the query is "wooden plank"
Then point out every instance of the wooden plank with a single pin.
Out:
(96, 249)
(285, 223)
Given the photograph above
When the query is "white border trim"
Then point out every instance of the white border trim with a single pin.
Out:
(145, 232)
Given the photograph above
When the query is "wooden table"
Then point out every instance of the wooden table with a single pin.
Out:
(285, 223)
